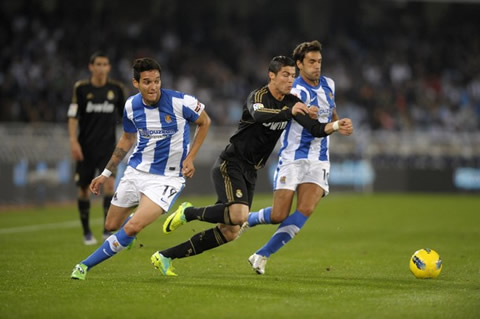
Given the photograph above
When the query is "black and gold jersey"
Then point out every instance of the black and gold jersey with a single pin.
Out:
(98, 110)
(263, 120)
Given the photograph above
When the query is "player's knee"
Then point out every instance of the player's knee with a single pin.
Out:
(132, 228)
(238, 215)
(111, 226)
(112, 223)
(239, 219)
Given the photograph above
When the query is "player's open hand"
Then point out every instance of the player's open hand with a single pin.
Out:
(299, 108)
(97, 183)
(345, 126)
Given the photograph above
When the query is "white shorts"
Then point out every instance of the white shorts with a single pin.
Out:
(290, 175)
(162, 190)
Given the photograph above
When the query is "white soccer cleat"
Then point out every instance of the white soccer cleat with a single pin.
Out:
(258, 263)
(244, 228)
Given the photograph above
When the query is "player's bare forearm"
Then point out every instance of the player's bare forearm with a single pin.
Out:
(117, 157)
(203, 125)
(122, 148)
(72, 128)
(75, 147)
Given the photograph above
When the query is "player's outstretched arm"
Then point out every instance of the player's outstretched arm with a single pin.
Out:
(261, 114)
(343, 126)
(123, 146)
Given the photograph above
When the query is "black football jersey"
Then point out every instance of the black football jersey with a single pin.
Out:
(263, 120)
(98, 110)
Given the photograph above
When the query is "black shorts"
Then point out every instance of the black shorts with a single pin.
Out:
(234, 182)
(87, 169)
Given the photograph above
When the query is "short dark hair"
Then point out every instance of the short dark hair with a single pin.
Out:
(279, 62)
(303, 48)
(144, 64)
(97, 54)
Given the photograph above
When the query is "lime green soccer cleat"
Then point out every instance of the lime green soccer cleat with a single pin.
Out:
(164, 264)
(132, 244)
(79, 272)
(176, 219)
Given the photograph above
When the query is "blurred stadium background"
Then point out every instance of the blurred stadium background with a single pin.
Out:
(406, 72)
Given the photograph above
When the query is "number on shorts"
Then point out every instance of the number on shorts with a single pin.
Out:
(169, 191)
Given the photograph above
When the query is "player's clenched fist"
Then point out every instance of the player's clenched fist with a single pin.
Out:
(345, 126)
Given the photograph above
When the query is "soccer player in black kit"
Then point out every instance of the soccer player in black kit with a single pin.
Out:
(97, 105)
(265, 115)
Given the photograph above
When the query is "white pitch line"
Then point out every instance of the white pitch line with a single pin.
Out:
(40, 227)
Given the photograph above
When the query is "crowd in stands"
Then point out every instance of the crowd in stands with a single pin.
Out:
(397, 65)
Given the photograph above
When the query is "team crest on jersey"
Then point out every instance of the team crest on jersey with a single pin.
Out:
(110, 95)
(168, 119)
(89, 96)
(239, 193)
(330, 95)
(283, 179)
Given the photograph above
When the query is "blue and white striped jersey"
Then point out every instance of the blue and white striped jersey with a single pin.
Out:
(163, 132)
(297, 142)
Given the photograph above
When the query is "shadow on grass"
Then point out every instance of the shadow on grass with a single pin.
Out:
(301, 284)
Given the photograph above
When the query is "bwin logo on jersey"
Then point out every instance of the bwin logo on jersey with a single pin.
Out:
(275, 126)
(104, 107)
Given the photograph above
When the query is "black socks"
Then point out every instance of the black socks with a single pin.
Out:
(199, 243)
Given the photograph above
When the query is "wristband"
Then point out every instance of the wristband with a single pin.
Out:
(335, 126)
(106, 173)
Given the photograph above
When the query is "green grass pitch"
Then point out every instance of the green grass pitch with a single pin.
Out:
(349, 261)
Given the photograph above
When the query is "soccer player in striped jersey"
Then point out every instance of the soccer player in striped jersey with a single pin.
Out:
(304, 163)
(266, 113)
(157, 120)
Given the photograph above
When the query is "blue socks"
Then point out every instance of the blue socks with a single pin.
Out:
(285, 232)
(260, 217)
(112, 245)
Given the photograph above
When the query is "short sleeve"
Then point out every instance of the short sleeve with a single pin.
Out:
(191, 108)
(301, 94)
(128, 125)
(73, 107)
